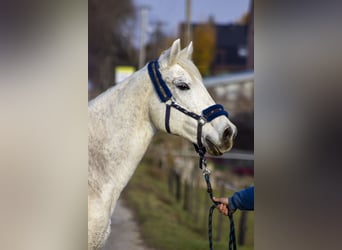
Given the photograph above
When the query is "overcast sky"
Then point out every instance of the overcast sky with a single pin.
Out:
(173, 12)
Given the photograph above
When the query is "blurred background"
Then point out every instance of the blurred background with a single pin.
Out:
(44, 85)
(123, 38)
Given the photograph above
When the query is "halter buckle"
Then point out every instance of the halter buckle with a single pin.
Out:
(170, 101)
(202, 121)
(206, 170)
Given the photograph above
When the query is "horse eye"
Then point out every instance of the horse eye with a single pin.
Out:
(182, 86)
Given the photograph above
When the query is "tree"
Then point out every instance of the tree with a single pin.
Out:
(204, 46)
(157, 42)
(110, 39)
(244, 19)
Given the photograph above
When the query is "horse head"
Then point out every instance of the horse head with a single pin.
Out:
(183, 106)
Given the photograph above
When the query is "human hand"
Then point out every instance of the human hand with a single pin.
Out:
(223, 206)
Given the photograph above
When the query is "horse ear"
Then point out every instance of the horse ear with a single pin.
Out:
(174, 52)
(187, 52)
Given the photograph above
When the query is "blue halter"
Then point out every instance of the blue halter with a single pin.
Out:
(165, 96)
(159, 84)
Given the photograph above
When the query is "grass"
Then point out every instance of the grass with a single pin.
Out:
(164, 223)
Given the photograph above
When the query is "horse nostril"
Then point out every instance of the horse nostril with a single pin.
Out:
(227, 132)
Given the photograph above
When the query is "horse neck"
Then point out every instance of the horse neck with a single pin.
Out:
(120, 133)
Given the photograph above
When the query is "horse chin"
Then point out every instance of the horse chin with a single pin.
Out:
(214, 149)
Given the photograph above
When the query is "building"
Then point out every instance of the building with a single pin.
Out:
(234, 44)
(231, 48)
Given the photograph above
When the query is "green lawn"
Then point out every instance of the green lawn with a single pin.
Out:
(164, 223)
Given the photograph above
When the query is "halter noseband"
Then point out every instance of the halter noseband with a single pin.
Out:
(165, 96)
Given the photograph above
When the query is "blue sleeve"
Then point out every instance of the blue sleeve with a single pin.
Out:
(243, 200)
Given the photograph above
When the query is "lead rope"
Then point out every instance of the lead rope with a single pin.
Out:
(206, 174)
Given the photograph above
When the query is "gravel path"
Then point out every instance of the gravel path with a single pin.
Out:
(125, 233)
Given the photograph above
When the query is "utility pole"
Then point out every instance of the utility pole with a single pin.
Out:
(188, 22)
(142, 50)
(184, 144)
(158, 37)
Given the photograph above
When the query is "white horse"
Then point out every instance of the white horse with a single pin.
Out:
(123, 120)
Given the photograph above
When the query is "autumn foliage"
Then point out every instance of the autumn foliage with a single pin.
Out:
(204, 47)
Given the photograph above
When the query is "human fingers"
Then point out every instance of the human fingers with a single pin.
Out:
(221, 200)
(225, 210)
(222, 209)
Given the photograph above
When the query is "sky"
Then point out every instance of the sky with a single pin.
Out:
(172, 12)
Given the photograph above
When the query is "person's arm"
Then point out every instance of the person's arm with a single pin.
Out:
(243, 200)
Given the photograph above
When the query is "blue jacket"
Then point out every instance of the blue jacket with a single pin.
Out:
(243, 200)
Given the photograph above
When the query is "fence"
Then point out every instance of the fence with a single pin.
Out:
(186, 184)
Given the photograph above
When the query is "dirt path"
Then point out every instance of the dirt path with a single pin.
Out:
(125, 233)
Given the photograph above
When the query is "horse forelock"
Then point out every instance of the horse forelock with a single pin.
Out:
(190, 67)
(186, 64)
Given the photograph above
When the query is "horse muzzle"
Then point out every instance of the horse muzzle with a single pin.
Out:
(223, 145)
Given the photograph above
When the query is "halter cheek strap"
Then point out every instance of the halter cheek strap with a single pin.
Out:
(166, 97)
(159, 84)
